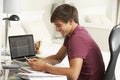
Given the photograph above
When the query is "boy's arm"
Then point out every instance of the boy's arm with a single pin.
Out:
(57, 58)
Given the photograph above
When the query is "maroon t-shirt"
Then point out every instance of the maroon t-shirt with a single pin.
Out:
(81, 45)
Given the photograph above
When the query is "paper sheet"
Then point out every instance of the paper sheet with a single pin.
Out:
(29, 73)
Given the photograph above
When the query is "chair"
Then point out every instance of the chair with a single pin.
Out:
(114, 47)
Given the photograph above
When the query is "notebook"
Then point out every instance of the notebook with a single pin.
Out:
(21, 46)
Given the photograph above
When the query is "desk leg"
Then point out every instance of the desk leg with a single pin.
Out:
(6, 73)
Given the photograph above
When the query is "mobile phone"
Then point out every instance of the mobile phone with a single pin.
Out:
(26, 58)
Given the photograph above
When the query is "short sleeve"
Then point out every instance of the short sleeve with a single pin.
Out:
(78, 47)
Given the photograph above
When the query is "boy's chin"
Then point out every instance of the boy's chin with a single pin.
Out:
(64, 35)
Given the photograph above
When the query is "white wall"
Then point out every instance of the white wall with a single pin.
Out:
(0, 32)
(0, 19)
(38, 4)
(111, 10)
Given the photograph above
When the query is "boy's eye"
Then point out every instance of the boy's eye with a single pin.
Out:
(58, 25)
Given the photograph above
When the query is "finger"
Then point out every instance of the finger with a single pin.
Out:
(34, 58)
(31, 60)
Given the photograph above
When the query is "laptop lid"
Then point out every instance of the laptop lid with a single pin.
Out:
(21, 46)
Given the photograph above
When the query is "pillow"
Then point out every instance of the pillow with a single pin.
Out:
(93, 19)
(39, 31)
(97, 19)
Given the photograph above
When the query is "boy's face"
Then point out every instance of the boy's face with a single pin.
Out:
(62, 27)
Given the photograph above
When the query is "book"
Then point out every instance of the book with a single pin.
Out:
(28, 72)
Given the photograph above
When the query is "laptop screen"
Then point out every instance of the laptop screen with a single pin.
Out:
(21, 46)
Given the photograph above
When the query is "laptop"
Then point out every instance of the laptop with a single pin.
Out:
(21, 46)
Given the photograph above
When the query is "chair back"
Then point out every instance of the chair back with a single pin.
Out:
(114, 47)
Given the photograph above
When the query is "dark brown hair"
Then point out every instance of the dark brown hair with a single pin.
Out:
(65, 12)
